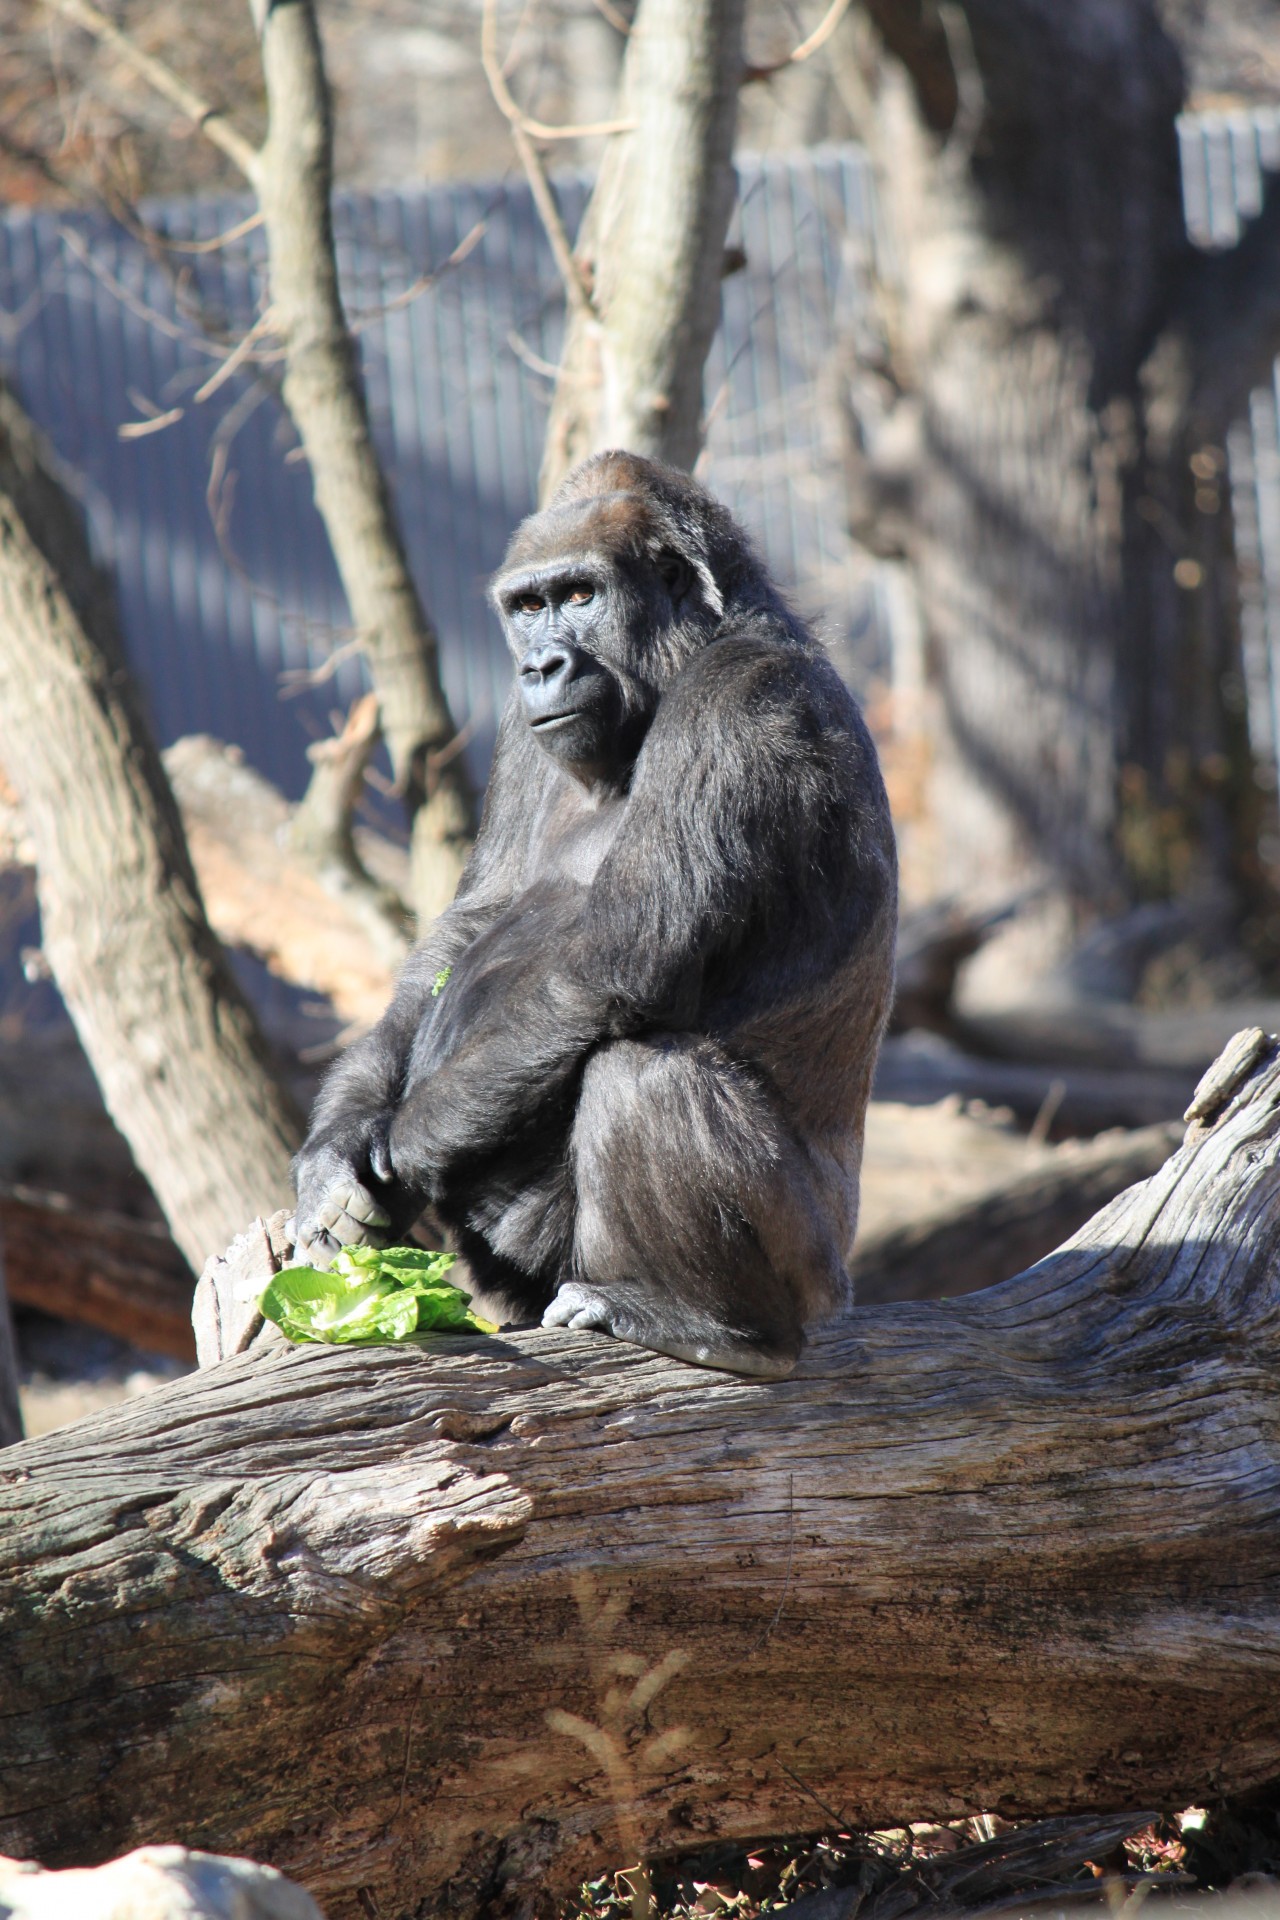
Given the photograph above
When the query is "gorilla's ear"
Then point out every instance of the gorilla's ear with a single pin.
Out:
(675, 573)
(681, 574)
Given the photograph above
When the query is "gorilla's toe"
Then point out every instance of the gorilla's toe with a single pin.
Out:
(579, 1309)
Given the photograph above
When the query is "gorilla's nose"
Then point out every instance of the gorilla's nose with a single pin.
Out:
(545, 673)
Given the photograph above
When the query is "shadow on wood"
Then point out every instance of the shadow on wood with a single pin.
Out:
(439, 1628)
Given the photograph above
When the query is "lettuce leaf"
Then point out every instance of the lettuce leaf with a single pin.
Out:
(371, 1294)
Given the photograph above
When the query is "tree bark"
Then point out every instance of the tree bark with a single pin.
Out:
(440, 1627)
(275, 899)
(651, 248)
(173, 1043)
(294, 176)
(1066, 366)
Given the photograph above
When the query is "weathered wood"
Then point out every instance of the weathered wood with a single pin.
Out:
(264, 896)
(102, 1269)
(454, 1621)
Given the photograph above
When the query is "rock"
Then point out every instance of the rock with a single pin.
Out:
(153, 1883)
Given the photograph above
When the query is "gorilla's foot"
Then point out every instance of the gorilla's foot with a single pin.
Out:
(582, 1310)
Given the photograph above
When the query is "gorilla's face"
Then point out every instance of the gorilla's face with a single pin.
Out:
(557, 619)
(586, 630)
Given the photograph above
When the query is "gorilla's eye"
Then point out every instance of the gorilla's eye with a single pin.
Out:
(529, 603)
(579, 596)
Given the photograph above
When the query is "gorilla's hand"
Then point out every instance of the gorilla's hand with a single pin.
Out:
(343, 1190)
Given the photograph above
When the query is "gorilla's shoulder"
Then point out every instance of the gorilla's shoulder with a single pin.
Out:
(751, 671)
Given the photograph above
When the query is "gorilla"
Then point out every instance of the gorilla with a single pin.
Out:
(627, 1071)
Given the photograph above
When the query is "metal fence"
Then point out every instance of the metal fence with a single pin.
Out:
(202, 509)
(1226, 157)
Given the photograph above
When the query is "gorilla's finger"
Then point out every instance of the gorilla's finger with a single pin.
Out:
(360, 1204)
(316, 1249)
(349, 1232)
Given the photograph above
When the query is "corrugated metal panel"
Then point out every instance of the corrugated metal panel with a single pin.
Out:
(1224, 158)
(103, 331)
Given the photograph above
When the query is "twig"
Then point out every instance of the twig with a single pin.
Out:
(152, 315)
(236, 358)
(424, 282)
(575, 285)
(526, 355)
(509, 107)
(577, 291)
(842, 1825)
(618, 21)
(139, 429)
(219, 240)
(212, 121)
(818, 38)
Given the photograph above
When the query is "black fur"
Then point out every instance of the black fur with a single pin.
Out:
(637, 1102)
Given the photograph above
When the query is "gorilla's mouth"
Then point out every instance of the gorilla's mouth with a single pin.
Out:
(554, 720)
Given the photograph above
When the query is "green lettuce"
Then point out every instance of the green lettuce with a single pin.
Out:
(371, 1294)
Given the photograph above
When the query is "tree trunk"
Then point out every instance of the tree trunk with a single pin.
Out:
(322, 391)
(174, 1045)
(1057, 348)
(442, 1627)
(651, 248)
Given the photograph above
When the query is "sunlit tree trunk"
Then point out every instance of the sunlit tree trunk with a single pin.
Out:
(174, 1045)
(294, 178)
(1068, 366)
(651, 248)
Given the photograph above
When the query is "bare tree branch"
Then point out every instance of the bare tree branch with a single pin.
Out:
(808, 47)
(212, 121)
(510, 108)
(576, 289)
(292, 176)
(326, 402)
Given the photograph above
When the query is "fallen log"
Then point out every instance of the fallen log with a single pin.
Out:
(1111, 1035)
(441, 1627)
(266, 897)
(101, 1269)
(921, 1068)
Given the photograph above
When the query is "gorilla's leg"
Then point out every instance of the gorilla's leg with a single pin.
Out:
(698, 1231)
(511, 1219)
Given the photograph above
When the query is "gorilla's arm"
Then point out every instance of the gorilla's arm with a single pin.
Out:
(342, 1172)
(739, 817)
